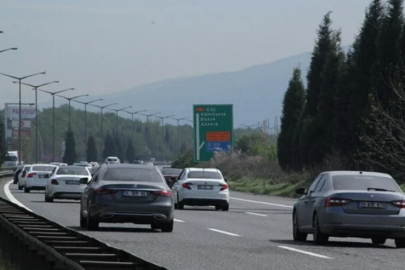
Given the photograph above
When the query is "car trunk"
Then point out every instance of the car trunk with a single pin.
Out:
(204, 185)
(70, 180)
(133, 192)
(370, 202)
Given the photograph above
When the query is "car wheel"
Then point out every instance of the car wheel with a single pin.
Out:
(400, 242)
(180, 205)
(218, 207)
(27, 190)
(225, 207)
(20, 187)
(48, 199)
(83, 221)
(319, 237)
(378, 240)
(167, 227)
(91, 224)
(297, 235)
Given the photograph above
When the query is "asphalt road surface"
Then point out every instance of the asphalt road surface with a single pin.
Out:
(254, 234)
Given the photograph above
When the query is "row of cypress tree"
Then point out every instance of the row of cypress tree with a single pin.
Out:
(331, 115)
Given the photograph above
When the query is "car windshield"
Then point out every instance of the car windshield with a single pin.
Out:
(132, 174)
(364, 182)
(72, 171)
(171, 171)
(112, 159)
(204, 175)
(43, 168)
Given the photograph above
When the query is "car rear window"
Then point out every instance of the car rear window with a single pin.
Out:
(204, 175)
(364, 182)
(43, 168)
(72, 171)
(112, 159)
(171, 171)
(132, 174)
(27, 168)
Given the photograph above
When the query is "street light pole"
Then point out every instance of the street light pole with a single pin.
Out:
(178, 132)
(35, 88)
(118, 110)
(9, 49)
(53, 116)
(101, 119)
(70, 99)
(19, 106)
(162, 118)
(85, 119)
(132, 117)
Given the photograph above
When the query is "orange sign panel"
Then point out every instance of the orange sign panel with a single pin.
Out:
(218, 136)
(199, 109)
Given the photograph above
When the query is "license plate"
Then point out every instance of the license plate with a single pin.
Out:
(72, 182)
(206, 187)
(132, 193)
(40, 176)
(378, 205)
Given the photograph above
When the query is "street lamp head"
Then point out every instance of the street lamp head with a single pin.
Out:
(14, 48)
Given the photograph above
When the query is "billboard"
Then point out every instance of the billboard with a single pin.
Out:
(26, 112)
(24, 123)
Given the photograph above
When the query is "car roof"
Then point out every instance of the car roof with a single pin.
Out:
(73, 166)
(337, 173)
(203, 169)
(140, 166)
(44, 165)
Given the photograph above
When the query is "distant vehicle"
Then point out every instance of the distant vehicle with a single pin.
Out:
(64, 183)
(351, 204)
(17, 172)
(201, 187)
(22, 176)
(94, 164)
(152, 160)
(120, 193)
(36, 177)
(83, 164)
(58, 164)
(137, 161)
(11, 160)
(112, 160)
(171, 175)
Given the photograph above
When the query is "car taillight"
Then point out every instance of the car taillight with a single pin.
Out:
(224, 187)
(186, 185)
(104, 190)
(30, 175)
(54, 182)
(400, 204)
(330, 201)
(163, 193)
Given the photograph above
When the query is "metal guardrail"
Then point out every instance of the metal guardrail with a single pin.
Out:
(30, 241)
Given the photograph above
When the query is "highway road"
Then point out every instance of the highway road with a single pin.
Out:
(254, 234)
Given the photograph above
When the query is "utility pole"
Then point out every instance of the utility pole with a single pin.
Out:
(132, 118)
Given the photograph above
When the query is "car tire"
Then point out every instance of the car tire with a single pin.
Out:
(20, 187)
(167, 227)
(180, 205)
(91, 224)
(48, 199)
(218, 207)
(225, 207)
(319, 237)
(26, 190)
(83, 221)
(400, 242)
(297, 235)
(378, 240)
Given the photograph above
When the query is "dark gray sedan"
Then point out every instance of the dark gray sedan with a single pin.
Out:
(121, 193)
(351, 204)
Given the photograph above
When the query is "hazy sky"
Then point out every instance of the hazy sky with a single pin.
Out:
(100, 46)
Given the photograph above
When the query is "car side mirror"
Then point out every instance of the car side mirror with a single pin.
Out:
(300, 191)
(46, 175)
(83, 180)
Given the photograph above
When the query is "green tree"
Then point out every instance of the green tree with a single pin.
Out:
(91, 149)
(3, 144)
(109, 146)
(254, 144)
(167, 135)
(130, 154)
(70, 155)
(293, 105)
(120, 148)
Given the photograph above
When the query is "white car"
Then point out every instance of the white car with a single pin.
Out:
(64, 183)
(112, 160)
(201, 187)
(22, 176)
(36, 177)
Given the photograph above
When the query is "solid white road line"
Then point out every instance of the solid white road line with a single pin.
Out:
(306, 252)
(178, 220)
(266, 203)
(10, 196)
(224, 232)
(256, 214)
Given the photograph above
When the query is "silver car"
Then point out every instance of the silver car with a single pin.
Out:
(119, 193)
(351, 204)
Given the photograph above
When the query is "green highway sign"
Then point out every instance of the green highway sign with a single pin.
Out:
(213, 130)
